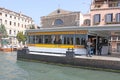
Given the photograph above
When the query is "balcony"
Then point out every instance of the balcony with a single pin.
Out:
(97, 23)
(112, 22)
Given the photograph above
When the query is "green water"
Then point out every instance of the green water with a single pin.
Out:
(11, 69)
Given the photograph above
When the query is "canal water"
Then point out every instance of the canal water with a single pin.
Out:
(11, 69)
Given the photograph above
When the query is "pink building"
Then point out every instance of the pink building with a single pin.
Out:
(105, 13)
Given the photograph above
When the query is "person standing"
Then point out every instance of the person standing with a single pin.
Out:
(89, 48)
(99, 48)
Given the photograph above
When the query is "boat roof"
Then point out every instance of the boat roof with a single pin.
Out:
(105, 30)
(73, 28)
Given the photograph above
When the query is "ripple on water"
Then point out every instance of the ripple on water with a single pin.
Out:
(10, 69)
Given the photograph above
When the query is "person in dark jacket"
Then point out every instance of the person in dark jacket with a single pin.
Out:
(99, 48)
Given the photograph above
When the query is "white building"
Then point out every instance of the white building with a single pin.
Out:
(14, 22)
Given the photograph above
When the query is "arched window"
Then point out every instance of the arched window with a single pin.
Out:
(118, 17)
(58, 22)
(97, 18)
(109, 18)
(87, 22)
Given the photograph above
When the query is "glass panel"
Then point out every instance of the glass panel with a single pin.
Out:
(77, 41)
(48, 39)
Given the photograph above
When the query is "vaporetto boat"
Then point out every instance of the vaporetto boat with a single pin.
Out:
(57, 40)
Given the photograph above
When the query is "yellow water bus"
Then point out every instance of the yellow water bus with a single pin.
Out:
(56, 40)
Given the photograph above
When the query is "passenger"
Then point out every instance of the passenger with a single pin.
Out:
(99, 48)
(88, 48)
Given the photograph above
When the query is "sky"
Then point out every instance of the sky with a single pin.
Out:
(39, 8)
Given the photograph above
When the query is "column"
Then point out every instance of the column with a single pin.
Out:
(43, 39)
(35, 39)
(96, 44)
(74, 41)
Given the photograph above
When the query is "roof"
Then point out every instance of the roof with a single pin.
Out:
(59, 11)
(93, 28)
(99, 30)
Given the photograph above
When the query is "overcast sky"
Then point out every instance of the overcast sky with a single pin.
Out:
(38, 8)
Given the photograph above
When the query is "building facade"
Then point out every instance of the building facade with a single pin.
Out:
(14, 22)
(61, 18)
(107, 13)
(102, 13)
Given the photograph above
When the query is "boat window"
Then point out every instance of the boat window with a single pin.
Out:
(71, 40)
(77, 41)
(31, 39)
(39, 39)
(58, 39)
(48, 39)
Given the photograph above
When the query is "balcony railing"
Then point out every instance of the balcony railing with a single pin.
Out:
(97, 23)
(112, 22)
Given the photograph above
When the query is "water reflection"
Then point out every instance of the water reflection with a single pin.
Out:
(11, 69)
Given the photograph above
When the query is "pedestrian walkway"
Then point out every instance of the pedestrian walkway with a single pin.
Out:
(100, 58)
(83, 56)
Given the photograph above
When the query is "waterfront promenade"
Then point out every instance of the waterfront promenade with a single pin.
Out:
(102, 57)
(102, 62)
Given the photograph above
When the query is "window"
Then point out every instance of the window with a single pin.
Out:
(10, 23)
(10, 16)
(114, 38)
(58, 11)
(109, 18)
(5, 21)
(58, 22)
(118, 17)
(14, 23)
(96, 18)
(5, 15)
(18, 24)
(14, 32)
(10, 32)
(77, 41)
(118, 4)
(118, 37)
(87, 22)
(25, 26)
(14, 17)
(0, 14)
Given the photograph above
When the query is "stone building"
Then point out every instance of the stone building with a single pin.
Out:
(61, 18)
